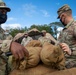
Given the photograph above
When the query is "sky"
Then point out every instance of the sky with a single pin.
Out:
(25, 13)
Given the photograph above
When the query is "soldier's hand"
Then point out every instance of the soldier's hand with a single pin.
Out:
(66, 48)
(18, 50)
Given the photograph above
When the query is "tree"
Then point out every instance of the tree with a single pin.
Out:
(54, 26)
(13, 32)
(42, 27)
(59, 24)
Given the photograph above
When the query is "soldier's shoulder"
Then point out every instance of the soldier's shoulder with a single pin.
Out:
(74, 23)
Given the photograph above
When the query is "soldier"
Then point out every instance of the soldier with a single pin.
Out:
(8, 45)
(44, 33)
(67, 38)
(47, 36)
(26, 39)
(43, 38)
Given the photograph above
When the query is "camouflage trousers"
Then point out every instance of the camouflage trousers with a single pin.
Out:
(70, 64)
(4, 68)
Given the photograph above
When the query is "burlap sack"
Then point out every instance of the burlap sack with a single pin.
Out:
(34, 43)
(53, 56)
(18, 36)
(71, 71)
(38, 70)
(34, 32)
(31, 61)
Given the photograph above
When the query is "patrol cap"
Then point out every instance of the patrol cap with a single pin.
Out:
(26, 33)
(3, 6)
(43, 31)
(63, 9)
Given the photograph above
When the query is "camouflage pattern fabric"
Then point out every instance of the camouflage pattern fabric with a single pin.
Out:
(2, 65)
(1, 33)
(25, 41)
(44, 39)
(68, 36)
(3, 58)
(63, 9)
(4, 47)
(49, 36)
(9, 37)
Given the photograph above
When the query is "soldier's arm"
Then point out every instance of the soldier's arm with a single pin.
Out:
(73, 51)
(15, 48)
(74, 31)
(5, 47)
(74, 34)
(66, 48)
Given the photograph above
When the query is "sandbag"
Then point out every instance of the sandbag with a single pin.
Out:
(31, 61)
(53, 56)
(34, 43)
(38, 70)
(34, 32)
(71, 71)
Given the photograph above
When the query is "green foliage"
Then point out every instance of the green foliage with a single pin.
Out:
(50, 28)
(59, 24)
(54, 26)
(42, 27)
(13, 32)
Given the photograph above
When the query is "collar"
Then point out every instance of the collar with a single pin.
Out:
(69, 24)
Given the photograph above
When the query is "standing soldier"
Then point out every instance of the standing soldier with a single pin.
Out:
(48, 36)
(67, 38)
(8, 45)
(26, 39)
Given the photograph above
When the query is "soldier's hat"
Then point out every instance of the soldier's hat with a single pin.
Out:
(3, 6)
(43, 31)
(63, 9)
(26, 33)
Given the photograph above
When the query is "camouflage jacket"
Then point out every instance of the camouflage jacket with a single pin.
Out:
(44, 39)
(68, 36)
(26, 40)
(4, 47)
(2, 33)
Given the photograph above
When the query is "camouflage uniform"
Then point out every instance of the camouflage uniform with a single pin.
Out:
(4, 46)
(1, 33)
(44, 39)
(26, 40)
(68, 36)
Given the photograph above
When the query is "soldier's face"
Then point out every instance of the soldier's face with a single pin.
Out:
(44, 33)
(3, 15)
(26, 35)
(3, 11)
(62, 19)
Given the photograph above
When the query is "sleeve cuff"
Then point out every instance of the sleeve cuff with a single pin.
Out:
(6, 45)
(73, 51)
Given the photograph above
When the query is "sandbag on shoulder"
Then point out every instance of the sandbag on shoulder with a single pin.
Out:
(34, 43)
(31, 61)
(53, 56)
(34, 56)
